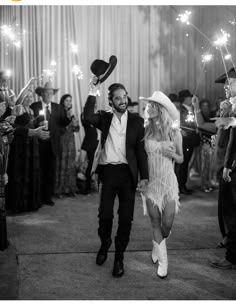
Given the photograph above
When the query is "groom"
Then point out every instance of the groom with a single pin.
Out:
(120, 158)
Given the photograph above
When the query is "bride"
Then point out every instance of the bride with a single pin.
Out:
(163, 143)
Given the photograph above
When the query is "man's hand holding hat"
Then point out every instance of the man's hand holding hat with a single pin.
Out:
(94, 86)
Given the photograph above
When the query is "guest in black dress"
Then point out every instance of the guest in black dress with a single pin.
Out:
(23, 188)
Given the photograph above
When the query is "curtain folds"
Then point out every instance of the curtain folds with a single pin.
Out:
(154, 51)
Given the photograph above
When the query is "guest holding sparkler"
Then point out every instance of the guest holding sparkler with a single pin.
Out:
(191, 139)
(66, 168)
(207, 129)
(23, 188)
(226, 150)
(56, 119)
(6, 132)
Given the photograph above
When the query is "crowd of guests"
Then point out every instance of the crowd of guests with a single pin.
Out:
(38, 159)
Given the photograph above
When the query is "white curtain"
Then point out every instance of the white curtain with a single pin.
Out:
(154, 51)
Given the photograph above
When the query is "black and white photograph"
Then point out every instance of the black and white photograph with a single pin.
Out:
(117, 151)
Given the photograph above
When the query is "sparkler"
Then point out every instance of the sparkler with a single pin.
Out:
(78, 72)
(222, 40)
(175, 124)
(228, 57)
(233, 22)
(190, 117)
(184, 18)
(207, 57)
(74, 48)
(11, 34)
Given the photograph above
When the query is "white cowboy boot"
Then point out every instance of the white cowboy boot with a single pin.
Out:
(155, 251)
(163, 260)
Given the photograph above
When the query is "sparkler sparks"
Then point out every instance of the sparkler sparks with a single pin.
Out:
(222, 40)
(175, 124)
(11, 34)
(78, 72)
(184, 18)
(53, 63)
(74, 48)
(207, 57)
(190, 117)
(228, 56)
(8, 73)
(233, 22)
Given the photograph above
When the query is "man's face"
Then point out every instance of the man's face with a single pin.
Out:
(230, 87)
(205, 108)
(47, 95)
(120, 101)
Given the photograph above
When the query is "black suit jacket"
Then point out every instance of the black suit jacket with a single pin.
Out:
(57, 122)
(90, 140)
(230, 157)
(135, 152)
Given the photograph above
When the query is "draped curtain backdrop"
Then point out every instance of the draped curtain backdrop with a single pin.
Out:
(154, 51)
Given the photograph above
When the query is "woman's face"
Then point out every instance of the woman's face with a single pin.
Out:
(28, 99)
(2, 108)
(68, 103)
(151, 110)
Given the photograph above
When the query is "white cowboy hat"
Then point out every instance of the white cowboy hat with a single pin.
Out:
(47, 86)
(162, 99)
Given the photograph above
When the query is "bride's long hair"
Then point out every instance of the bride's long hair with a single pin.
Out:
(160, 124)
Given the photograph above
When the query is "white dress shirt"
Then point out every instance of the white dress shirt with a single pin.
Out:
(114, 151)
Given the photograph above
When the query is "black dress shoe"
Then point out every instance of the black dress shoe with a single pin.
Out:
(118, 269)
(49, 202)
(102, 253)
(184, 190)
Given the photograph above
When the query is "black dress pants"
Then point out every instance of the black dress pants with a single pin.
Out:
(228, 191)
(47, 170)
(116, 180)
(182, 169)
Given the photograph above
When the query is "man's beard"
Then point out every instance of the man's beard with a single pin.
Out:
(118, 109)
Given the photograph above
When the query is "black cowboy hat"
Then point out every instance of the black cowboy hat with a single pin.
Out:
(102, 69)
(231, 74)
(47, 86)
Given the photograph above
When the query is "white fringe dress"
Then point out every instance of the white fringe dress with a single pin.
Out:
(163, 184)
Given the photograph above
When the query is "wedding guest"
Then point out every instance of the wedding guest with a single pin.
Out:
(65, 182)
(23, 188)
(56, 118)
(191, 139)
(89, 145)
(6, 133)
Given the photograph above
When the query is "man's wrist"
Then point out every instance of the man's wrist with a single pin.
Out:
(94, 93)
